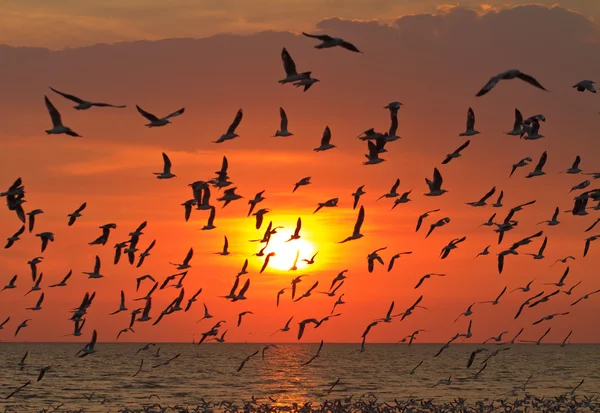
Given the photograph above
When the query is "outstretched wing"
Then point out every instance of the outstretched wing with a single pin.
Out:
(54, 115)
(177, 113)
(322, 37)
(359, 220)
(147, 115)
(236, 121)
(288, 63)
(65, 95)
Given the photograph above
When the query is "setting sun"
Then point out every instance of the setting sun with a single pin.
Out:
(285, 252)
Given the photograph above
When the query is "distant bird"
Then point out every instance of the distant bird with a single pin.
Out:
(57, 125)
(76, 214)
(584, 85)
(325, 141)
(166, 173)
(359, 192)
(186, 261)
(435, 186)
(484, 198)
(427, 276)
(393, 193)
(32, 215)
(470, 131)
(395, 257)
(11, 283)
(225, 250)
(15, 237)
(456, 153)
(291, 75)
(253, 202)
(283, 127)
(574, 169)
(540, 254)
(538, 168)
(155, 121)
(553, 221)
(242, 314)
(84, 104)
(359, 221)
(229, 195)
(588, 241)
(90, 347)
(327, 204)
(230, 133)
(247, 359)
(373, 155)
(302, 182)
(509, 74)
(45, 237)
(328, 41)
(422, 217)
(96, 272)
(486, 251)
(517, 126)
(315, 356)
(521, 163)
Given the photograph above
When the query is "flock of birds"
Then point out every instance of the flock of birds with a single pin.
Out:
(131, 249)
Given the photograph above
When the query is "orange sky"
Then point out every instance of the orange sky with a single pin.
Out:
(433, 64)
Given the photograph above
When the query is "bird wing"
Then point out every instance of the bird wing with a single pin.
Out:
(54, 114)
(288, 63)
(176, 113)
(470, 119)
(70, 97)
(322, 37)
(326, 136)
(531, 80)
(359, 220)
(167, 163)
(518, 119)
(236, 121)
(284, 119)
(147, 115)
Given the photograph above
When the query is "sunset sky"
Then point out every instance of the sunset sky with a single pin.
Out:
(214, 57)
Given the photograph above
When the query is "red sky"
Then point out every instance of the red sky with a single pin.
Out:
(433, 63)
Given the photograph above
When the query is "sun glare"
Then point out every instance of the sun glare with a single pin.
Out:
(285, 252)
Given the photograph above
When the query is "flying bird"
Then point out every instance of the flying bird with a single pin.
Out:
(509, 74)
(230, 134)
(57, 125)
(155, 121)
(328, 41)
(84, 104)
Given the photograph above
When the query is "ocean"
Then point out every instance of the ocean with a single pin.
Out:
(209, 372)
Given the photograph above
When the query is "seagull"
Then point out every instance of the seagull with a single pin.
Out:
(283, 128)
(495, 301)
(307, 83)
(538, 169)
(166, 173)
(496, 339)
(84, 104)
(393, 192)
(11, 283)
(544, 299)
(517, 126)
(45, 237)
(370, 134)
(359, 221)
(328, 41)
(260, 215)
(302, 182)
(531, 132)
(22, 325)
(325, 141)
(435, 186)
(228, 196)
(329, 204)
(186, 261)
(252, 202)
(230, 134)
(38, 305)
(359, 192)
(393, 107)
(498, 203)
(36, 286)
(89, 348)
(485, 251)
(291, 75)
(591, 227)
(373, 155)
(266, 263)
(155, 121)
(96, 273)
(540, 254)
(588, 241)
(315, 356)
(581, 185)
(553, 221)
(585, 297)
(31, 215)
(57, 125)
(481, 202)
(574, 169)
(422, 217)
(286, 327)
(585, 85)
(15, 237)
(437, 224)
(246, 360)
(225, 250)
(145, 254)
(122, 306)
(564, 260)
(467, 313)
(521, 163)
(525, 289)
(242, 314)
(73, 217)
(549, 317)
(456, 153)
(427, 276)
(470, 124)
(211, 220)
(509, 74)
(395, 257)
(402, 200)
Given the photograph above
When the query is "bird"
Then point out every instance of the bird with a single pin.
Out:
(507, 75)
(302, 182)
(45, 237)
(540, 254)
(306, 82)
(315, 356)
(247, 359)
(435, 186)
(311, 260)
(283, 128)
(225, 250)
(328, 41)
(15, 237)
(21, 326)
(485, 251)
(90, 347)
(122, 306)
(230, 133)
(574, 169)
(266, 262)
(588, 241)
(439, 223)
(156, 121)
(501, 258)
(11, 283)
(553, 221)
(357, 194)
(291, 75)
(96, 272)
(32, 215)
(456, 153)
(84, 104)
(427, 276)
(57, 125)
(253, 202)
(496, 300)
(484, 198)
(357, 226)
(423, 216)
(470, 131)
(517, 126)
(393, 193)
(395, 257)
(328, 204)
(186, 261)
(325, 141)
(584, 85)
(538, 168)
(521, 163)
(166, 173)
(296, 234)
(76, 214)
(403, 199)
(373, 155)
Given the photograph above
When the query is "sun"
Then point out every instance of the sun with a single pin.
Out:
(285, 252)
